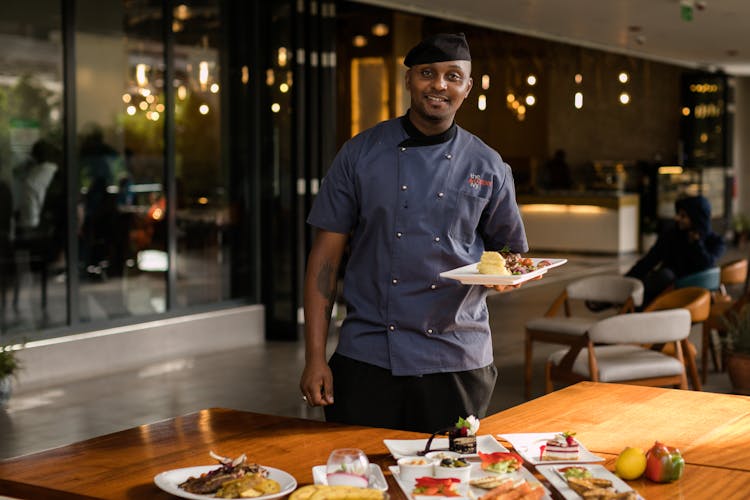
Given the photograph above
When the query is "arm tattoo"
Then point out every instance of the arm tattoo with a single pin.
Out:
(327, 285)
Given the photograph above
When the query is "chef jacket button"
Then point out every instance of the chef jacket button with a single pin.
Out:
(394, 281)
(391, 327)
(429, 330)
(403, 188)
(441, 194)
(437, 239)
(403, 149)
(448, 156)
(399, 234)
(433, 286)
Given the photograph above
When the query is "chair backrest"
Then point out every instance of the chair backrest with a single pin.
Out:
(709, 279)
(607, 288)
(642, 328)
(695, 299)
(734, 272)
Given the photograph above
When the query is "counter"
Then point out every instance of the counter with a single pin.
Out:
(600, 222)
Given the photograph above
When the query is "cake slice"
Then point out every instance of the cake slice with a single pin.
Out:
(562, 447)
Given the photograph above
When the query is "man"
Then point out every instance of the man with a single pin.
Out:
(411, 197)
(688, 247)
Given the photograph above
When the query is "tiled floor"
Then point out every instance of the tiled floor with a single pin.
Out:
(264, 378)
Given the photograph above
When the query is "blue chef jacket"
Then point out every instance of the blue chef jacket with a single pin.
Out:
(415, 208)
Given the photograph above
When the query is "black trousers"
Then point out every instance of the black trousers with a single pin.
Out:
(368, 395)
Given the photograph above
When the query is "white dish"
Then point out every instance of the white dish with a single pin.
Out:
(464, 489)
(557, 480)
(468, 275)
(529, 445)
(377, 479)
(399, 448)
(169, 481)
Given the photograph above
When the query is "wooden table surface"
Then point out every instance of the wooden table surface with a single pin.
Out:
(712, 430)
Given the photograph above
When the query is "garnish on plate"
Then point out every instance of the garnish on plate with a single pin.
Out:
(433, 486)
(513, 489)
(500, 462)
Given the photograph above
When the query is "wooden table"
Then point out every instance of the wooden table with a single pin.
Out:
(712, 430)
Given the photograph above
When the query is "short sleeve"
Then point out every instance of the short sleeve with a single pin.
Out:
(335, 206)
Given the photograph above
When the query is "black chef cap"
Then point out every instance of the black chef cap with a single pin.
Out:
(439, 48)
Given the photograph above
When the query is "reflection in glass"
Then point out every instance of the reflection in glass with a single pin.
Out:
(121, 206)
(201, 170)
(32, 182)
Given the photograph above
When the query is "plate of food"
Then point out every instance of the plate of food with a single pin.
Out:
(574, 482)
(502, 268)
(550, 448)
(483, 484)
(376, 478)
(400, 448)
(229, 479)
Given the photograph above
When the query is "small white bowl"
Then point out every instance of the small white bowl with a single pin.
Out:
(463, 473)
(410, 468)
(437, 456)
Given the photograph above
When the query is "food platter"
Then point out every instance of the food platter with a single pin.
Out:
(170, 480)
(556, 479)
(400, 448)
(464, 489)
(376, 477)
(528, 446)
(468, 275)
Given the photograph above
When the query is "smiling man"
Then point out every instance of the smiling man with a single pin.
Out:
(410, 198)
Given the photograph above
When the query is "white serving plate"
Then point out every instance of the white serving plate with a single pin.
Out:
(528, 446)
(557, 480)
(465, 490)
(486, 443)
(468, 275)
(377, 479)
(169, 481)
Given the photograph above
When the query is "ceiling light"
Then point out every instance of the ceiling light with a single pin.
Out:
(578, 100)
(623, 77)
(380, 29)
(624, 98)
(359, 41)
(531, 80)
(485, 82)
(482, 102)
(578, 78)
(530, 100)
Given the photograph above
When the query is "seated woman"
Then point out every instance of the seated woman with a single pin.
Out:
(687, 247)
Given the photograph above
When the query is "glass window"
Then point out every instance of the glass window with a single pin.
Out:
(120, 117)
(32, 183)
(204, 220)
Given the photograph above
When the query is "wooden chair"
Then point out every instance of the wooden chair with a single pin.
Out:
(624, 359)
(624, 293)
(733, 275)
(697, 301)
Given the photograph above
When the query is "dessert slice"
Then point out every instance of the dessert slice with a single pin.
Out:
(562, 447)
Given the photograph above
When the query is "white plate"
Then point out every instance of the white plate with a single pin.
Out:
(528, 446)
(468, 275)
(556, 479)
(465, 490)
(169, 481)
(486, 443)
(377, 479)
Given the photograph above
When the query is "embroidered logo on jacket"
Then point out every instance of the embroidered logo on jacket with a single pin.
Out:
(475, 180)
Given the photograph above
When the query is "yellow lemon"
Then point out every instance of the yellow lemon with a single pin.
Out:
(631, 463)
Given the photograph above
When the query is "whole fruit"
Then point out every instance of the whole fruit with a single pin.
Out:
(664, 464)
(631, 463)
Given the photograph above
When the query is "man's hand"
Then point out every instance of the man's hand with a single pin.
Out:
(507, 288)
(316, 384)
